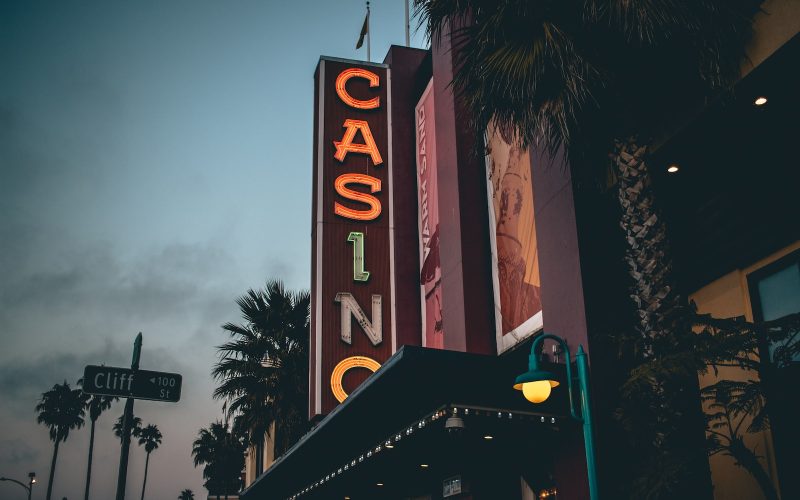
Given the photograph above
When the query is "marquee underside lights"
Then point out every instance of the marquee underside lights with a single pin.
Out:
(393, 440)
(348, 364)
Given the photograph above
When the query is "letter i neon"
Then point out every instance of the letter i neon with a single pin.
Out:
(359, 274)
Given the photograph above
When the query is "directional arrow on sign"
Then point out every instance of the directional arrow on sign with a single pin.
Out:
(128, 383)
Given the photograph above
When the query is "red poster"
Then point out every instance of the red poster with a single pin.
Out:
(431, 271)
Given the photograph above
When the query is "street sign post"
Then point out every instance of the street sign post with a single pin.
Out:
(129, 383)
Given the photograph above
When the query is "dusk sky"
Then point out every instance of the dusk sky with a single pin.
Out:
(155, 163)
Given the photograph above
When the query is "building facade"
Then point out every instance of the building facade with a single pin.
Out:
(434, 268)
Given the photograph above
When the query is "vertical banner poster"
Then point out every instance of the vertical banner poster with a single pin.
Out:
(515, 260)
(352, 299)
(428, 198)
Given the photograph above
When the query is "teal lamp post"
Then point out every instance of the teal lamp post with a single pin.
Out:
(536, 385)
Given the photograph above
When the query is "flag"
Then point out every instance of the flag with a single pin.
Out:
(364, 31)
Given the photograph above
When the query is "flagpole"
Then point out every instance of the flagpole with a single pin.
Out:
(408, 37)
(368, 33)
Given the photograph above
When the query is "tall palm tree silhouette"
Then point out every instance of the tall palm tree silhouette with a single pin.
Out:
(96, 405)
(150, 437)
(221, 452)
(263, 369)
(61, 409)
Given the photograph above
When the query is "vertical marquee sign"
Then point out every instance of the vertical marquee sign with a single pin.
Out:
(352, 305)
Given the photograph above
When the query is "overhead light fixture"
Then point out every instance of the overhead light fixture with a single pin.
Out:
(760, 101)
(389, 446)
(488, 437)
(673, 168)
(378, 484)
(424, 466)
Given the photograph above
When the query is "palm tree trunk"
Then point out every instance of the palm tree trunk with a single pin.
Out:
(52, 469)
(146, 465)
(89, 465)
(664, 326)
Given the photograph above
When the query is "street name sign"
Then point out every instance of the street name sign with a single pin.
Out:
(127, 383)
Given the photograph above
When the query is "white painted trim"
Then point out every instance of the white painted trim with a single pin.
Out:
(390, 175)
(320, 226)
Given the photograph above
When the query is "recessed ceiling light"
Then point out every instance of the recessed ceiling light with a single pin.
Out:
(760, 101)
(379, 484)
(673, 168)
(488, 437)
(424, 466)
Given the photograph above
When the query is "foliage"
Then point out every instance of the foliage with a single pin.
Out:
(95, 406)
(546, 69)
(150, 437)
(186, 495)
(221, 452)
(263, 370)
(119, 425)
(61, 409)
(733, 407)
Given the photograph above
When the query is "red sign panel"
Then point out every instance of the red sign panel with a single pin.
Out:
(428, 198)
(352, 314)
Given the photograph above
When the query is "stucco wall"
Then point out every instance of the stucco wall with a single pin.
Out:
(778, 22)
(727, 297)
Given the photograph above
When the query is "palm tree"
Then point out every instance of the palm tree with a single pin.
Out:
(119, 427)
(150, 437)
(263, 370)
(221, 452)
(96, 405)
(186, 495)
(570, 77)
(61, 409)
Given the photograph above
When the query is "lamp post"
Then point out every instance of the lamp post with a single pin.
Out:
(536, 385)
(28, 487)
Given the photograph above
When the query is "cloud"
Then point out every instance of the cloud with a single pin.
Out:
(23, 381)
(17, 451)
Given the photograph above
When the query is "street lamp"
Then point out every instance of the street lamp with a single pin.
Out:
(536, 385)
(29, 487)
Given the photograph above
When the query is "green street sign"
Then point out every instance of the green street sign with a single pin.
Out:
(127, 383)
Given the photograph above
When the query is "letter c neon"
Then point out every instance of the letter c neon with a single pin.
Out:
(351, 101)
(345, 365)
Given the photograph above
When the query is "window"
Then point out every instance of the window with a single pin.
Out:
(775, 290)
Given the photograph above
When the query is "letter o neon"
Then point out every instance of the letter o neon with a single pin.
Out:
(345, 365)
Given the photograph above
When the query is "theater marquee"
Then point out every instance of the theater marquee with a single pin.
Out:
(352, 313)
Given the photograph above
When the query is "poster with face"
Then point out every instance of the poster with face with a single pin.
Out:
(518, 306)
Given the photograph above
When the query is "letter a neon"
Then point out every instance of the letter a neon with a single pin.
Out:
(346, 144)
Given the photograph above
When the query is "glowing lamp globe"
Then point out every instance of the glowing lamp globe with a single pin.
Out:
(535, 384)
(536, 392)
